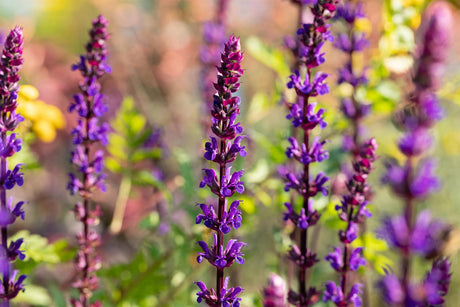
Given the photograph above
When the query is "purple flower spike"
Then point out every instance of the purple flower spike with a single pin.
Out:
(352, 41)
(305, 116)
(90, 105)
(353, 211)
(222, 149)
(275, 292)
(411, 233)
(10, 143)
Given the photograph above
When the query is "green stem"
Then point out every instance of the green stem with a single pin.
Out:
(120, 205)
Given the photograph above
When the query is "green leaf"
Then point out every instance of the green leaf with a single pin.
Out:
(113, 165)
(39, 250)
(34, 295)
(57, 295)
(258, 172)
(272, 58)
(330, 218)
(186, 170)
(247, 204)
(117, 146)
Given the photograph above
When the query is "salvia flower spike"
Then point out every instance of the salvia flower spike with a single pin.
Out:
(274, 294)
(411, 233)
(351, 42)
(305, 115)
(10, 63)
(222, 149)
(353, 212)
(90, 105)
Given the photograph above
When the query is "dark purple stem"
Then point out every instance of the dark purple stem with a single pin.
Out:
(220, 235)
(3, 170)
(408, 215)
(306, 178)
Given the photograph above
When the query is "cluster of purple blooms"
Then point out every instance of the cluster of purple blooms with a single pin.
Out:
(411, 233)
(304, 115)
(10, 63)
(351, 41)
(222, 149)
(353, 211)
(89, 104)
(275, 292)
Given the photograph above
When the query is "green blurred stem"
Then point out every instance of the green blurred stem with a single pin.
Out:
(120, 205)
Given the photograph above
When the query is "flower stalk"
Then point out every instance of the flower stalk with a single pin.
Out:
(411, 233)
(351, 42)
(10, 63)
(222, 149)
(303, 114)
(353, 211)
(90, 105)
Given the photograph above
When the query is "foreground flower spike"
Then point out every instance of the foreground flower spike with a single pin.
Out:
(214, 36)
(11, 62)
(306, 116)
(274, 294)
(353, 211)
(351, 42)
(222, 149)
(411, 233)
(89, 104)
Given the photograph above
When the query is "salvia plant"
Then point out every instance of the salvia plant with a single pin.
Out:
(414, 232)
(351, 42)
(90, 105)
(133, 147)
(155, 265)
(222, 149)
(305, 116)
(274, 294)
(353, 211)
(11, 62)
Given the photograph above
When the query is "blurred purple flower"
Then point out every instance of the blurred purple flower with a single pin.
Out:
(89, 104)
(274, 294)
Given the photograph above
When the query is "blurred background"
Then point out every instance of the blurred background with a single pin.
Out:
(154, 92)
